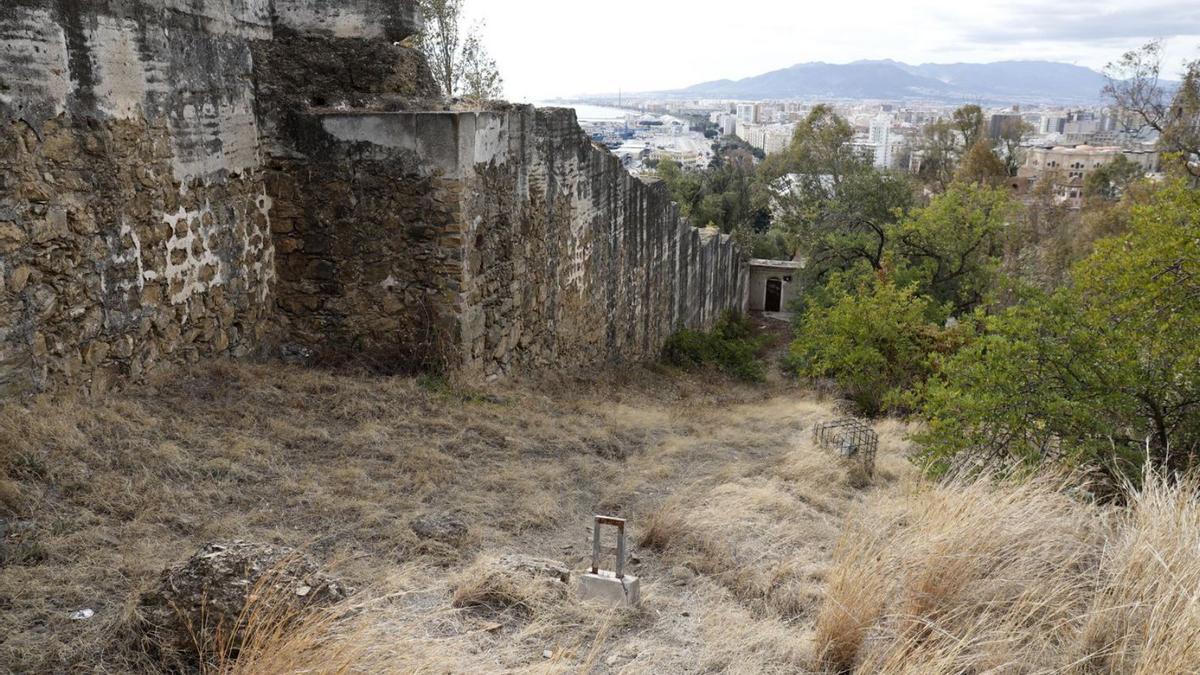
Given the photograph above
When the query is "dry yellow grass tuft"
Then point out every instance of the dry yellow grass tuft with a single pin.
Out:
(491, 584)
(1016, 578)
(1145, 615)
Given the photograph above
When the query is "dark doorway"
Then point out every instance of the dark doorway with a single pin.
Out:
(774, 295)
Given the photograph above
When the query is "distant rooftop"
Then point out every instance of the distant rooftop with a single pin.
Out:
(1094, 149)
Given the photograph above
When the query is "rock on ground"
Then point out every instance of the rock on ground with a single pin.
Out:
(445, 528)
(535, 567)
(210, 601)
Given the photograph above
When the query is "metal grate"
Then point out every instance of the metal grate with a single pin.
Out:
(851, 438)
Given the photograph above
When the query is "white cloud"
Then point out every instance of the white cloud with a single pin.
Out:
(551, 48)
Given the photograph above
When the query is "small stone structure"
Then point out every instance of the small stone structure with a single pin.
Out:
(774, 284)
(184, 179)
(613, 587)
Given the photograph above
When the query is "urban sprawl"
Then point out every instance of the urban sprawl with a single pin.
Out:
(1064, 143)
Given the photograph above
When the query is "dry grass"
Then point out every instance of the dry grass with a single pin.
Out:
(758, 553)
(984, 578)
(488, 584)
(273, 636)
(99, 496)
(763, 527)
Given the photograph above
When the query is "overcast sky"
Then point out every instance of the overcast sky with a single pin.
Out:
(551, 48)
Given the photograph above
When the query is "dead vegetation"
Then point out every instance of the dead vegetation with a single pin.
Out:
(1016, 578)
(100, 496)
(758, 552)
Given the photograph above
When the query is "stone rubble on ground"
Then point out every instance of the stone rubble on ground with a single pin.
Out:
(212, 592)
(445, 528)
(537, 567)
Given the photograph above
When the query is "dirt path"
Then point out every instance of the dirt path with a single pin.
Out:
(733, 517)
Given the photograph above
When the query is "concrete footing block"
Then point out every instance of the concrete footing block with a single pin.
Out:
(604, 586)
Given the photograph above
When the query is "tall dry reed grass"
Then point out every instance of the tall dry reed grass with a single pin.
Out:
(975, 577)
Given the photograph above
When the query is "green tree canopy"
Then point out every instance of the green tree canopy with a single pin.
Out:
(939, 148)
(953, 247)
(1109, 181)
(970, 123)
(1101, 374)
(872, 336)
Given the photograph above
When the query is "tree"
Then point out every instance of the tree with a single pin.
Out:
(481, 79)
(1013, 133)
(874, 338)
(980, 165)
(969, 122)
(722, 195)
(686, 187)
(1109, 181)
(821, 146)
(460, 63)
(939, 153)
(954, 246)
(1134, 85)
(827, 199)
(834, 227)
(1101, 374)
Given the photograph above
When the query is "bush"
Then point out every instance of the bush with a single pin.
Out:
(876, 341)
(1101, 375)
(730, 347)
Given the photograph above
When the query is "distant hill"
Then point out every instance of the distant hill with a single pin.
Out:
(1004, 81)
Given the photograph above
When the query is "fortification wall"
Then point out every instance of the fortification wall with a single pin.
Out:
(571, 261)
(135, 215)
(511, 238)
(134, 223)
(183, 179)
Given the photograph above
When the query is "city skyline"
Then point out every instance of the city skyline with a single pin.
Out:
(610, 47)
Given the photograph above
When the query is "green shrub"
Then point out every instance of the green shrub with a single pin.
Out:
(730, 347)
(876, 341)
(1101, 375)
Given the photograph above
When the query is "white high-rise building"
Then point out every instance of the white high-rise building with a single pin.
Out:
(728, 125)
(880, 136)
(747, 113)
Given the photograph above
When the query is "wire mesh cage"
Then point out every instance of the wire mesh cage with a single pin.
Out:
(850, 438)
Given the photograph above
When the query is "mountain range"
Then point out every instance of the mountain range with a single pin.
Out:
(1002, 82)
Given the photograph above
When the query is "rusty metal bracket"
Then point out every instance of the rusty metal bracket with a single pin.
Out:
(618, 523)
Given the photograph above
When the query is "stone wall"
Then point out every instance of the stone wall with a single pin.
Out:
(137, 140)
(183, 179)
(367, 251)
(134, 224)
(506, 236)
(356, 224)
(571, 261)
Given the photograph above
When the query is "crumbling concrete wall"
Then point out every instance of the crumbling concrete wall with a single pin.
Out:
(510, 237)
(134, 223)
